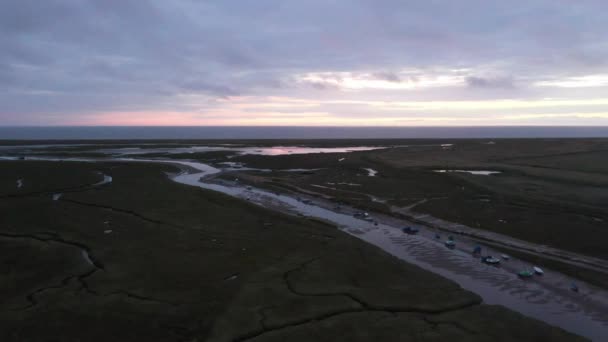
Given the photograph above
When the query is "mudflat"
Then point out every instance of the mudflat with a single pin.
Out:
(139, 257)
(552, 192)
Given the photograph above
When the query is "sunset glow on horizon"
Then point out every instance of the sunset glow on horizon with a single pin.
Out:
(344, 63)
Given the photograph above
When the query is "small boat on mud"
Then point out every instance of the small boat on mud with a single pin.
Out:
(573, 287)
(449, 243)
(505, 257)
(538, 270)
(525, 274)
(490, 260)
(410, 230)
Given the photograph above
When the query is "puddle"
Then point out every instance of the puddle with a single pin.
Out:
(233, 165)
(473, 172)
(87, 258)
(283, 150)
(322, 186)
(106, 179)
(376, 199)
(371, 172)
(232, 277)
(343, 183)
(265, 151)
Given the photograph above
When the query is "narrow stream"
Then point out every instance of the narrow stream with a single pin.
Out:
(547, 298)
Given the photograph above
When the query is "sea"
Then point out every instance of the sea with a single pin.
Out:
(294, 132)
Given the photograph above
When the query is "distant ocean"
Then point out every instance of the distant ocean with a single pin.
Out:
(207, 132)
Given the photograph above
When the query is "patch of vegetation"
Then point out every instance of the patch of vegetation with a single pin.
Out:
(172, 262)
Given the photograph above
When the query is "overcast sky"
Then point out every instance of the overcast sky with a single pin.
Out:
(312, 62)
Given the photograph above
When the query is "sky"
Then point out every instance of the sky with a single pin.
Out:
(309, 63)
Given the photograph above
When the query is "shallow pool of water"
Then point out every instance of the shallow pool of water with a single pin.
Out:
(243, 150)
(473, 172)
(371, 172)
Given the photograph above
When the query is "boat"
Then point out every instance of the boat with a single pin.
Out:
(525, 274)
(249, 187)
(410, 230)
(573, 287)
(450, 244)
(490, 260)
(538, 270)
(306, 201)
(505, 257)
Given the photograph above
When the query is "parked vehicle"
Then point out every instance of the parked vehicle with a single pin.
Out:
(410, 230)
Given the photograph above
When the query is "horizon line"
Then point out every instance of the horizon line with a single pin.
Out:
(300, 126)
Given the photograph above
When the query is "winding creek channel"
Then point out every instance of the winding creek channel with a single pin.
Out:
(547, 297)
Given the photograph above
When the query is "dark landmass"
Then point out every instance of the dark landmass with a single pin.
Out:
(146, 259)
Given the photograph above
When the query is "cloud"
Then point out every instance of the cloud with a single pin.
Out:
(587, 81)
(489, 82)
(213, 88)
(364, 80)
(387, 76)
(72, 59)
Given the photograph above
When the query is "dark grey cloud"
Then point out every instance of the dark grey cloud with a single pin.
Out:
(71, 57)
(213, 88)
(489, 82)
(388, 76)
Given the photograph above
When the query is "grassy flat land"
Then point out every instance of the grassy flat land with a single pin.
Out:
(146, 259)
(550, 191)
